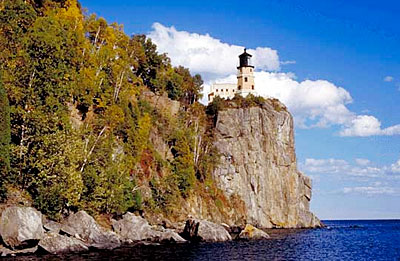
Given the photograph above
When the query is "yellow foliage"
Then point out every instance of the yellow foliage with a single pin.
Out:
(72, 13)
(114, 116)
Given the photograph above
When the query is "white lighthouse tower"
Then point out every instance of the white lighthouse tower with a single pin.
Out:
(245, 83)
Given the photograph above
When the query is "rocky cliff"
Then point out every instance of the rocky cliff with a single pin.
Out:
(256, 180)
(258, 165)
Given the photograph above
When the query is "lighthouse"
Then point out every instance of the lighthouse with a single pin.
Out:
(245, 81)
(245, 76)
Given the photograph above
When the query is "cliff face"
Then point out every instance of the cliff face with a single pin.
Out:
(258, 165)
(256, 179)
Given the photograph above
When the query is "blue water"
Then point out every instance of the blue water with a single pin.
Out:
(342, 240)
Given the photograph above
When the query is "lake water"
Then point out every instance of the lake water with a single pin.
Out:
(342, 240)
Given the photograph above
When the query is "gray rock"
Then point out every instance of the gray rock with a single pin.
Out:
(52, 226)
(133, 228)
(161, 102)
(8, 252)
(202, 230)
(57, 244)
(258, 166)
(21, 226)
(250, 232)
(168, 235)
(82, 226)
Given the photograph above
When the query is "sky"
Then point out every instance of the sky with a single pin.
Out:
(334, 63)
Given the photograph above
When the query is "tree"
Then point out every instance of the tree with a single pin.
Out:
(183, 163)
(152, 67)
(5, 139)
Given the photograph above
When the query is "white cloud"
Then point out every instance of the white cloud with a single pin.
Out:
(288, 62)
(365, 125)
(363, 162)
(206, 55)
(313, 103)
(369, 179)
(317, 103)
(395, 167)
(339, 166)
(388, 79)
(363, 168)
(370, 190)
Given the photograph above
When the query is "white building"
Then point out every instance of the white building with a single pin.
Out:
(245, 81)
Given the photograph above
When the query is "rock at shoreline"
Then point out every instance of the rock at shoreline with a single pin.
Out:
(21, 226)
(8, 252)
(84, 227)
(202, 230)
(168, 235)
(57, 244)
(52, 226)
(250, 232)
(133, 228)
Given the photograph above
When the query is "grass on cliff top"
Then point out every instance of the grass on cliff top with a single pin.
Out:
(238, 101)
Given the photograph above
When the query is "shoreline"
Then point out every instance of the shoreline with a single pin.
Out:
(25, 231)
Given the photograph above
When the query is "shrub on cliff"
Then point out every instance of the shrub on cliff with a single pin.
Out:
(248, 101)
(214, 107)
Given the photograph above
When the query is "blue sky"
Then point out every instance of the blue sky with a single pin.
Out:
(336, 64)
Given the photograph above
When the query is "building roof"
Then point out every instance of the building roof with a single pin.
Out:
(245, 53)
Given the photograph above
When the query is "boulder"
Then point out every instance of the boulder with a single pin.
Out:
(8, 252)
(250, 232)
(52, 226)
(133, 228)
(21, 226)
(202, 230)
(57, 244)
(168, 236)
(84, 227)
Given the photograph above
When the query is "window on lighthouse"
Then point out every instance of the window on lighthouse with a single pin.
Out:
(245, 79)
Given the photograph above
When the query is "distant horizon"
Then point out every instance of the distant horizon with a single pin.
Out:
(362, 219)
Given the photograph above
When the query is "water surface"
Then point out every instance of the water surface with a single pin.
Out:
(342, 240)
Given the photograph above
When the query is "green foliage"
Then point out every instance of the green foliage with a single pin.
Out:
(158, 74)
(215, 106)
(80, 135)
(58, 174)
(138, 201)
(248, 101)
(183, 164)
(5, 132)
(165, 195)
(182, 86)
(5, 139)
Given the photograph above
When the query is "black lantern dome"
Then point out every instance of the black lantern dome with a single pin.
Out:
(244, 59)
